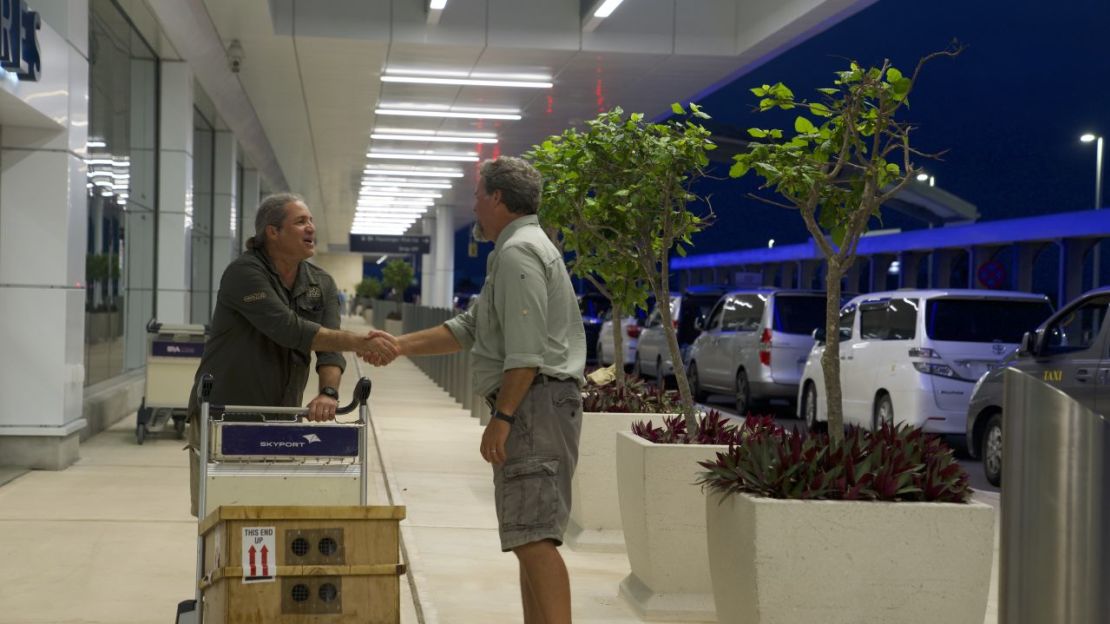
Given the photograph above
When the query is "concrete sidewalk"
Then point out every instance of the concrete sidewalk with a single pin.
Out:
(110, 539)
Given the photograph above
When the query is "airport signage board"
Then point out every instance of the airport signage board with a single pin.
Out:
(380, 243)
(19, 39)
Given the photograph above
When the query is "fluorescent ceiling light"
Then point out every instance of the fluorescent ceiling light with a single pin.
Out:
(427, 155)
(439, 73)
(421, 172)
(402, 183)
(448, 112)
(96, 143)
(374, 193)
(437, 5)
(467, 82)
(435, 133)
(390, 201)
(606, 9)
(432, 138)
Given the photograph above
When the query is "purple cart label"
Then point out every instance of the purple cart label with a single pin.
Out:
(169, 348)
(252, 439)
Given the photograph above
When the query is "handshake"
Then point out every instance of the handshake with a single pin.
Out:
(382, 348)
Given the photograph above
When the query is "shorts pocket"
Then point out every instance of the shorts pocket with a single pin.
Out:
(568, 402)
(531, 494)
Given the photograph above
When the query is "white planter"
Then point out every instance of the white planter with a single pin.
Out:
(595, 514)
(395, 328)
(835, 562)
(663, 518)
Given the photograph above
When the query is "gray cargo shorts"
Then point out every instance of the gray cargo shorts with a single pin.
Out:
(532, 488)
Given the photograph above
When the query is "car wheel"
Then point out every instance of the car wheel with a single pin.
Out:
(695, 384)
(884, 412)
(743, 394)
(809, 408)
(637, 369)
(992, 450)
(659, 376)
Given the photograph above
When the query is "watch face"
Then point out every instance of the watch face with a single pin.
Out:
(331, 392)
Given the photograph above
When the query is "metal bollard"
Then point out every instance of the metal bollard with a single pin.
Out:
(1055, 553)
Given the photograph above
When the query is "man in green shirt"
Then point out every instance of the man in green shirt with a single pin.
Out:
(528, 346)
(273, 309)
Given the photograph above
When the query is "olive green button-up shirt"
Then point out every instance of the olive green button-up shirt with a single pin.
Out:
(259, 343)
(526, 315)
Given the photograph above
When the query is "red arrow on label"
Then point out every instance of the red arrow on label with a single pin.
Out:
(250, 554)
(265, 562)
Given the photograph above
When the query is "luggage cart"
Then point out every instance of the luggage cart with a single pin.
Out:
(264, 455)
(173, 354)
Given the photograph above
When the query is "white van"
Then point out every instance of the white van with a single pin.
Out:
(913, 356)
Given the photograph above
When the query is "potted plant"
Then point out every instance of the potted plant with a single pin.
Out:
(369, 289)
(662, 517)
(837, 173)
(595, 517)
(396, 275)
(878, 527)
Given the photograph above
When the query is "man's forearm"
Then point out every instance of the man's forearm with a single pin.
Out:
(436, 340)
(514, 385)
(339, 340)
(330, 376)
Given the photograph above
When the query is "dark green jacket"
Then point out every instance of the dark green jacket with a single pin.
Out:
(259, 342)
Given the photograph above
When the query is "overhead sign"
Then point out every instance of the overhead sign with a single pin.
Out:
(19, 39)
(992, 274)
(379, 243)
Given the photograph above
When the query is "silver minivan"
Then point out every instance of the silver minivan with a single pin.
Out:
(754, 345)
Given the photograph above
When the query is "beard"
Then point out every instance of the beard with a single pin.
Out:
(477, 234)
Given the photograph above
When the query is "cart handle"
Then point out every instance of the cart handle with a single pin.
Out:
(361, 394)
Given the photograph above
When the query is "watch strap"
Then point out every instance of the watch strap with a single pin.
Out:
(499, 415)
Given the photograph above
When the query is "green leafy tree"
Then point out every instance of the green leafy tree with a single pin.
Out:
(397, 275)
(369, 288)
(578, 208)
(641, 192)
(844, 159)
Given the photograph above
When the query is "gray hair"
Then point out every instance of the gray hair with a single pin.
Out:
(519, 182)
(271, 211)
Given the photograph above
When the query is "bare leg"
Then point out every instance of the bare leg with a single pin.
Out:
(532, 614)
(543, 570)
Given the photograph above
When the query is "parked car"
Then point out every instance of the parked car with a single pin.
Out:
(593, 306)
(1071, 351)
(631, 326)
(754, 345)
(913, 356)
(653, 357)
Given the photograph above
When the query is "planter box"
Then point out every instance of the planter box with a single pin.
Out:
(836, 562)
(662, 515)
(395, 328)
(595, 514)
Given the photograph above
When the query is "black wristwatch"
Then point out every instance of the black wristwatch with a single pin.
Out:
(328, 391)
(499, 415)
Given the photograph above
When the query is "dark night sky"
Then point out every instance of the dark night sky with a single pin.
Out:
(1009, 110)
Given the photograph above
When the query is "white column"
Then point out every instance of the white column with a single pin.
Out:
(428, 264)
(225, 197)
(43, 240)
(444, 246)
(252, 190)
(175, 192)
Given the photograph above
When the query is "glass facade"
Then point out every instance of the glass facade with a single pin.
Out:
(122, 191)
(200, 256)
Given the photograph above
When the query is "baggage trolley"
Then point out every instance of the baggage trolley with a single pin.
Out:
(264, 455)
(173, 355)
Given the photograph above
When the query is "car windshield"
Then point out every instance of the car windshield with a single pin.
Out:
(983, 320)
(799, 314)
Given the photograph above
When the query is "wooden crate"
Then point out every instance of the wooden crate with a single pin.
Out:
(337, 565)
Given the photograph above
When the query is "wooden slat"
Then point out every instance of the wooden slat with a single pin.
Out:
(292, 512)
(384, 569)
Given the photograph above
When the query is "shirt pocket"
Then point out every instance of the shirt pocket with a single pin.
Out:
(310, 309)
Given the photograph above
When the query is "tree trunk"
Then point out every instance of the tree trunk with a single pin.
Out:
(618, 344)
(662, 298)
(830, 359)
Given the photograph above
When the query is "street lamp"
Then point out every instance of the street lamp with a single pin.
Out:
(1087, 138)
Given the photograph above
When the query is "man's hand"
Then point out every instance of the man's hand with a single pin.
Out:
(384, 348)
(493, 441)
(322, 408)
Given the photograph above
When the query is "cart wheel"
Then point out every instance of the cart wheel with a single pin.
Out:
(179, 426)
(140, 433)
